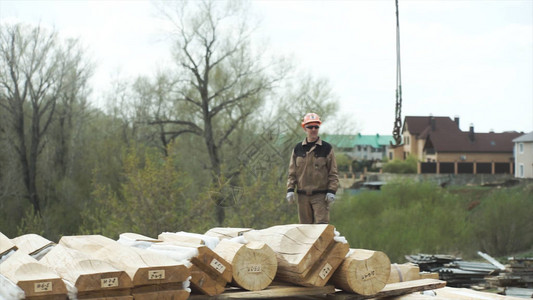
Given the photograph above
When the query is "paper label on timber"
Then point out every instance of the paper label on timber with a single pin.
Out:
(217, 266)
(156, 274)
(325, 271)
(254, 268)
(42, 287)
(109, 282)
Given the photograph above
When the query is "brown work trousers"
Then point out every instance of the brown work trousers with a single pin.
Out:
(313, 209)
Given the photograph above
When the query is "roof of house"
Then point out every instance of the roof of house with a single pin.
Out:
(421, 126)
(481, 142)
(528, 137)
(341, 140)
(353, 140)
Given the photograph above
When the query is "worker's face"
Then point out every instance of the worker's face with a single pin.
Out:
(311, 130)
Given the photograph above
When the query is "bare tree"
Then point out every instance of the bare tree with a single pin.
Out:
(222, 80)
(33, 69)
(71, 103)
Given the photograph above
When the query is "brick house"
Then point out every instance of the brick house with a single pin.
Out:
(440, 141)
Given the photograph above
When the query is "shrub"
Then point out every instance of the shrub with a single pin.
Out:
(407, 166)
(504, 221)
(403, 218)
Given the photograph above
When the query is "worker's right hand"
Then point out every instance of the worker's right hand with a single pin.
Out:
(290, 197)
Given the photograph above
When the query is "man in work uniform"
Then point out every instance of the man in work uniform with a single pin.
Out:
(313, 174)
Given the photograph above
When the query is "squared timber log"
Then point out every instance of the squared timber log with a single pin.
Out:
(209, 272)
(33, 244)
(34, 278)
(151, 273)
(93, 278)
(307, 254)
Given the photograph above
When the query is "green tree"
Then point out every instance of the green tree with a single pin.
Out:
(152, 198)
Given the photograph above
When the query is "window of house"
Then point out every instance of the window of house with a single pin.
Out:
(390, 155)
(521, 148)
(358, 148)
(521, 170)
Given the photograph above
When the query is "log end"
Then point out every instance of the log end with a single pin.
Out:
(254, 266)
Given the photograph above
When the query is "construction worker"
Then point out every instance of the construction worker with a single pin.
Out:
(313, 174)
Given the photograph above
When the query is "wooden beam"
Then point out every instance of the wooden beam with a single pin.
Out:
(33, 277)
(91, 277)
(271, 292)
(395, 289)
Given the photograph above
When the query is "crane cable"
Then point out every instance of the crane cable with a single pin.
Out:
(398, 111)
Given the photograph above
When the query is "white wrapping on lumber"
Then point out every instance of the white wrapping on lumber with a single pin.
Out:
(5, 256)
(339, 238)
(40, 254)
(186, 284)
(239, 239)
(9, 290)
(178, 253)
(72, 291)
(124, 240)
(210, 241)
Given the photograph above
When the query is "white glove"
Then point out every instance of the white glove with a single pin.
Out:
(290, 197)
(330, 198)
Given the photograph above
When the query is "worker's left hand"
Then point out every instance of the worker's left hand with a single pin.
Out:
(330, 198)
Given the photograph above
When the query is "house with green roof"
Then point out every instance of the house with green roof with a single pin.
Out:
(361, 147)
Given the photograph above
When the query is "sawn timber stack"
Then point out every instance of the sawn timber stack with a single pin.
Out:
(154, 276)
(209, 272)
(93, 278)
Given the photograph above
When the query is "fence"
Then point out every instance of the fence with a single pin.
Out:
(465, 168)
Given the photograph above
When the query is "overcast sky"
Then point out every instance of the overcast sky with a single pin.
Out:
(472, 59)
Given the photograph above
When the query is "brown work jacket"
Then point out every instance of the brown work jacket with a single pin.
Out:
(313, 170)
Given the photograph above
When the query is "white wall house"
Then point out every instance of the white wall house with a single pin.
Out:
(523, 156)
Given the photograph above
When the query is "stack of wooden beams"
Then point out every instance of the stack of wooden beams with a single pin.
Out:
(285, 260)
(209, 272)
(308, 255)
(153, 276)
(518, 273)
